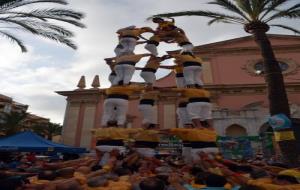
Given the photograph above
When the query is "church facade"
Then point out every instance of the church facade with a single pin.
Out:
(232, 72)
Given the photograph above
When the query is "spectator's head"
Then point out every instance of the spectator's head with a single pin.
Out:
(83, 169)
(122, 171)
(200, 178)
(96, 167)
(98, 181)
(47, 175)
(164, 178)
(111, 176)
(152, 184)
(195, 170)
(66, 172)
(258, 173)
(69, 185)
(213, 180)
(245, 169)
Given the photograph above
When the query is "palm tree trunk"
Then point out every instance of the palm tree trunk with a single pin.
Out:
(278, 101)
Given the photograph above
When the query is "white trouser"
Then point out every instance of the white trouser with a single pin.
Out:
(192, 75)
(109, 106)
(124, 73)
(148, 76)
(148, 113)
(187, 48)
(109, 148)
(180, 82)
(183, 116)
(128, 44)
(111, 78)
(152, 48)
(118, 50)
(200, 110)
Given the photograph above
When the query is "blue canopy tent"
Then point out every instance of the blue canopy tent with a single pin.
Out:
(30, 142)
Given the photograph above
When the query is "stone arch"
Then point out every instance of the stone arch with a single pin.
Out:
(235, 130)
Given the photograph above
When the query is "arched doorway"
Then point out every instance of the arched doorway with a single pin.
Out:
(235, 130)
(236, 144)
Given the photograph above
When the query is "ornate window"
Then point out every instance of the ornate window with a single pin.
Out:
(256, 67)
(259, 67)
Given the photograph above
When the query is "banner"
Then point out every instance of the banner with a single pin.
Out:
(280, 121)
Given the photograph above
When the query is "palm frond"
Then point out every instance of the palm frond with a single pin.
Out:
(64, 15)
(3, 2)
(292, 12)
(228, 5)
(36, 21)
(287, 28)
(58, 38)
(19, 3)
(66, 20)
(212, 21)
(258, 7)
(273, 5)
(60, 30)
(45, 30)
(208, 14)
(21, 15)
(41, 13)
(14, 40)
(245, 5)
(23, 23)
(59, 13)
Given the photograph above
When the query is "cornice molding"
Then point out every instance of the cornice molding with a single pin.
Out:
(81, 92)
(245, 50)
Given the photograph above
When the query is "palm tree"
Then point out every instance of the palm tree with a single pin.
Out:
(15, 15)
(47, 130)
(12, 123)
(257, 16)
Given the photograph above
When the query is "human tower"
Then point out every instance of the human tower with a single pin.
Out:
(194, 107)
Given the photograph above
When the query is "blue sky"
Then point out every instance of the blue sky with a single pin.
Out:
(32, 78)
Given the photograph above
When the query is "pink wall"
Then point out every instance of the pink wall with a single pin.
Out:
(229, 69)
(237, 102)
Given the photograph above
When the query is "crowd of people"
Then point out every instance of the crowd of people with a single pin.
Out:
(129, 170)
(193, 105)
